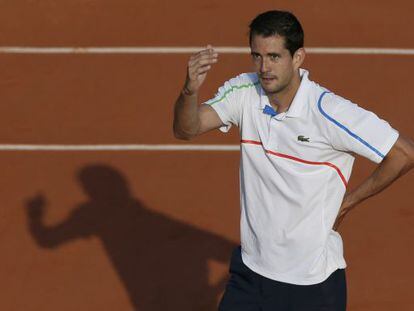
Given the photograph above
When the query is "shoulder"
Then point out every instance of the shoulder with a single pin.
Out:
(332, 112)
(331, 104)
(236, 88)
(243, 81)
(319, 99)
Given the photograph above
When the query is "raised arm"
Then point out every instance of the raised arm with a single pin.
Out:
(190, 118)
(399, 160)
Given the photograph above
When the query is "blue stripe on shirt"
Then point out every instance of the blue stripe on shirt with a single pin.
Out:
(345, 128)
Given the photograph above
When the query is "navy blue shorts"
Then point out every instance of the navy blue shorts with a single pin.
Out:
(249, 291)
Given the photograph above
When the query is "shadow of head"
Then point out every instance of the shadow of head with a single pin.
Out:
(103, 183)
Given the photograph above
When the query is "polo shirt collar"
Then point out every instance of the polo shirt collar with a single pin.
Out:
(298, 102)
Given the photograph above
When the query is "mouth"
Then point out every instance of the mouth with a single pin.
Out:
(267, 79)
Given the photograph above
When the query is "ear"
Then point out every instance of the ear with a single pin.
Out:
(299, 57)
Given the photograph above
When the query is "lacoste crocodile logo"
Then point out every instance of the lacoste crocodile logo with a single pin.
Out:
(303, 138)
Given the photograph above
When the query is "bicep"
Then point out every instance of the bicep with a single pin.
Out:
(209, 119)
(403, 149)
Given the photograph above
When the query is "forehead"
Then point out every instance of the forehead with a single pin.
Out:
(268, 44)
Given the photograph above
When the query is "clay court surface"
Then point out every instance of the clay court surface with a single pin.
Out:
(154, 230)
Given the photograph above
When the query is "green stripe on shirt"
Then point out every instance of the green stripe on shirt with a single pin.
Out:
(238, 87)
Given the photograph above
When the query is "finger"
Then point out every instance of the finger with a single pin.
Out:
(202, 58)
(201, 63)
(206, 61)
(199, 71)
(208, 51)
(203, 69)
(338, 221)
(200, 54)
(195, 68)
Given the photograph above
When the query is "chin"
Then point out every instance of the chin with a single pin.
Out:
(272, 89)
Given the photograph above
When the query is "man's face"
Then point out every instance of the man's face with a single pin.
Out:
(272, 62)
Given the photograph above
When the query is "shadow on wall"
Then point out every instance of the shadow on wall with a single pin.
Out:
(162, 262)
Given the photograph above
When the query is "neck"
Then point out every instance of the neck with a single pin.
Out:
(281, 100)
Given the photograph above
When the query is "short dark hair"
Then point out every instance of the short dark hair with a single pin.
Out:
(281, 23)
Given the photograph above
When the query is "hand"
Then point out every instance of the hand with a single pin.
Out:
(35, 206)
(346, 207)
(198, 65)
(340, 218)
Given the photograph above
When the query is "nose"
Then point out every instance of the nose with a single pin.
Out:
(264, 66)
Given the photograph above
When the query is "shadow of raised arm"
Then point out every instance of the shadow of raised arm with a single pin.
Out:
(75, 226)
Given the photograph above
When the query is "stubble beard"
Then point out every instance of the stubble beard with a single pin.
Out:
(275, 90)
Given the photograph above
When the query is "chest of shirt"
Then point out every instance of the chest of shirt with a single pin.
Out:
(301, 137)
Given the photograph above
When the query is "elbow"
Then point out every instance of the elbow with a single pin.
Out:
(183, 135)
(410, 154)
(403, 153)
(411, 162)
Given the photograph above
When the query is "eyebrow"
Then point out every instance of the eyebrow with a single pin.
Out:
(268, 54)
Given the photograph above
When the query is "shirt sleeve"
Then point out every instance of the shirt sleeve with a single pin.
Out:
(228, 103)
(354, 129)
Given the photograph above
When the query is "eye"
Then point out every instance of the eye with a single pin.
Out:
(274, 57)
(255, 56)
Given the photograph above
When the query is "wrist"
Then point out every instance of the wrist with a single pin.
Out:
(187, 91)
(350, 200)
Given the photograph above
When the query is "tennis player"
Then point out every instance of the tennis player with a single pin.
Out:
(298, 142)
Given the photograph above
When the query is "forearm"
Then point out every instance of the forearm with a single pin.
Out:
(186, 120)
(398, 162)
(390, 169)
(384, 175)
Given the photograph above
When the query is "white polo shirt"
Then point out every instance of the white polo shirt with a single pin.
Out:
(294, 171)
